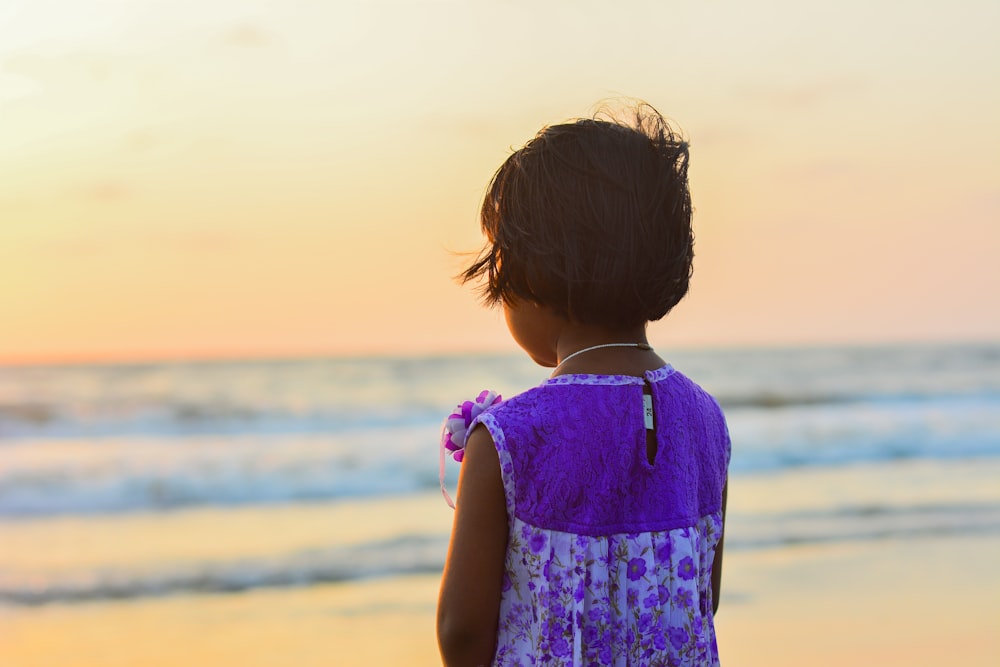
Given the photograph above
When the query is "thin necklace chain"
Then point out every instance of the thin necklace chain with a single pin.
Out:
(641, 346)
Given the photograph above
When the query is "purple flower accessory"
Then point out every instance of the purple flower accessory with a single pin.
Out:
(456, 429)
(457, 426)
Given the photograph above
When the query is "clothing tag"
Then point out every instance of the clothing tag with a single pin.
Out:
(647, 404)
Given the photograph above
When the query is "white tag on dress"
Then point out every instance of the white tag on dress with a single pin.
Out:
(647, 404)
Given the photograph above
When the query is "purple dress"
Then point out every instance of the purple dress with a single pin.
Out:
(609, 558)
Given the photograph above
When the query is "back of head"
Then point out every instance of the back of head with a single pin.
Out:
(591, 218)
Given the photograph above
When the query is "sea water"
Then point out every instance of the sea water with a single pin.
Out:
(129, 481)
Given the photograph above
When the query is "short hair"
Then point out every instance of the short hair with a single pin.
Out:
(591, 218)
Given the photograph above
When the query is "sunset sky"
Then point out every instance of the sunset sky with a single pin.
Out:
(232, 178)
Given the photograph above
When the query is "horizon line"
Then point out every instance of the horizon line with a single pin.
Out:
(207, 357)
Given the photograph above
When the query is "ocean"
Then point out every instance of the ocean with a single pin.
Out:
(123, 482)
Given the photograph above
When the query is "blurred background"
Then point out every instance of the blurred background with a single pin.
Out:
(229, 331)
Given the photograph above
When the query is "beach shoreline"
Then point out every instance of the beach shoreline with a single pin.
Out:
(922, 601)
(275, 513)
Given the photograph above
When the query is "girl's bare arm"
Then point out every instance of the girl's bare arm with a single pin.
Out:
(469, 605)
(717, 563)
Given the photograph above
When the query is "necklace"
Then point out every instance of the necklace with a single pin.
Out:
(641, 346)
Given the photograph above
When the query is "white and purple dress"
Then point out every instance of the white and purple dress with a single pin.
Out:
(609, 557)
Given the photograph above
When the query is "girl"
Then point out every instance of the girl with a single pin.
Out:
(591, 508)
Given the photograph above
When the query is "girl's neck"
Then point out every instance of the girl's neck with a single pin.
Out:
(631, 354)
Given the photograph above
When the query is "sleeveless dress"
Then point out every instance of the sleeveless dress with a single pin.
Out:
(609, 558)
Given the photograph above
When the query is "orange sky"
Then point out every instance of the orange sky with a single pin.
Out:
(230, 178)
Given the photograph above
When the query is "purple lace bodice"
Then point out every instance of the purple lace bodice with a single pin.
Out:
(609, 557)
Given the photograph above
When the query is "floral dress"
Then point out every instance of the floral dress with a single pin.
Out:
(609, 555)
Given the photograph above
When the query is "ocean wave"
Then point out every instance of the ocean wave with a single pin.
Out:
(127, 474)
(26, 414)
(425, 553)
(204, 398)
(157, 437)
(861, 523)
(43, 478)
(171, 418)
(409, 554)
(182, 420)
(329, 396)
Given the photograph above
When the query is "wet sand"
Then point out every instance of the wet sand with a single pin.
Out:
(903, 574)
(907, 602)
(913, 602)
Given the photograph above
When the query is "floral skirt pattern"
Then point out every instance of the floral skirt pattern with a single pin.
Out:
(627, 599)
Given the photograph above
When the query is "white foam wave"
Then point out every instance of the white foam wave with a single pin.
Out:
(400, 555)
(424, 553)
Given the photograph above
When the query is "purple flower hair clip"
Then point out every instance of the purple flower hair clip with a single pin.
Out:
(456, 430)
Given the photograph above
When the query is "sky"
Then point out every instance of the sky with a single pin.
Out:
(233, 178)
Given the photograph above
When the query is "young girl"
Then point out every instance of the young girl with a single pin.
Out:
(590, 509)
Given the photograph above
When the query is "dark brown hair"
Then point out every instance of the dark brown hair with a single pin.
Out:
(591, 218)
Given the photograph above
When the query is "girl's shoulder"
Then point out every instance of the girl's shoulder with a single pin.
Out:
(581, 388)
(573, 396)
(665, 379)
(611, 380)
